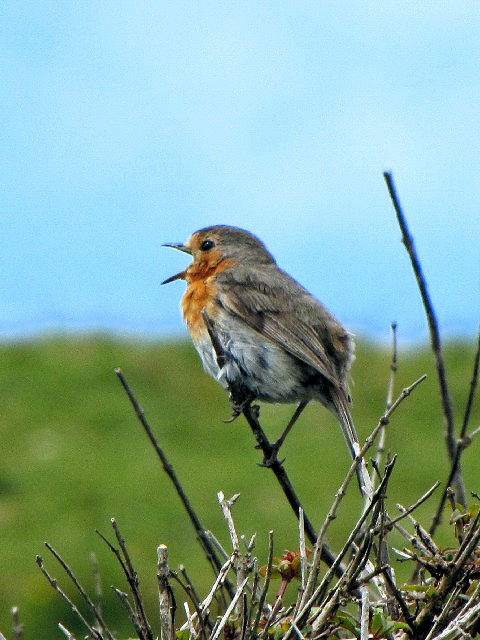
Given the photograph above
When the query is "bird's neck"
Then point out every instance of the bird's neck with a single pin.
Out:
(206, 267)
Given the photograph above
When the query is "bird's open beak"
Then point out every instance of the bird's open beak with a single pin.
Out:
(180, 247)
(177, 245)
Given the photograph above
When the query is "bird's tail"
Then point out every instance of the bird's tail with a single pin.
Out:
(344, 416)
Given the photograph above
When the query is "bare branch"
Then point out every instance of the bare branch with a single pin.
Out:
(407, 511)
(462, 443)
(434, 333)
(266, 584)
(391, 384)
(473, 387)
(65, 632)
(132, 579)
(167, 467)
(96, 613)
(229, 610)
(123, 597)
(53, 582)
(166, 601)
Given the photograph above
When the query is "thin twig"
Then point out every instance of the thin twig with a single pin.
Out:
(407, 511)
(320, 590)
(463, 441)
(440, 619)
(190, 625)
(187, 587)
(226, 506)
(266, 584)
(132, 579)
(90, 604)
(229, 610)
(53, 582)
(123, 597)
(331, 602)
(424, 620)
(64, 630)
(434, 334)
(218, 545)
(167, 467)
(388, 402)
(400, 600)
(473, 387)
(241, 562)
(303, 550)
(384, 420)
(192, 592)
(245, 617)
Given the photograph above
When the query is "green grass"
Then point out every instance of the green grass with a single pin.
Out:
(74, 455)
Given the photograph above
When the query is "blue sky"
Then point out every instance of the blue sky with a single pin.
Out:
(128, 124)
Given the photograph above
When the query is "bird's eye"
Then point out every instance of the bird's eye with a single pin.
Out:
(207, 245)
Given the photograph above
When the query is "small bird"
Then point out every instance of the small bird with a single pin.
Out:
(278, 343)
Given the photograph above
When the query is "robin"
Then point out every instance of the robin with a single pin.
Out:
(278, 343)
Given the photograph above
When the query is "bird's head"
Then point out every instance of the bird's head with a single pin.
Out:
(212, 246)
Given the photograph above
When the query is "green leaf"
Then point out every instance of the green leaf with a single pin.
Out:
(348, 622)
(414, 587)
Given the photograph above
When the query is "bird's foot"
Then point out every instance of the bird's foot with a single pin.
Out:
(239, 404)
(235, 413)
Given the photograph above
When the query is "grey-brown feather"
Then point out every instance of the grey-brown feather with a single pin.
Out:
(288, 315)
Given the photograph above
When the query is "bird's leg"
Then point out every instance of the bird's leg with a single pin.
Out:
(278, 443)
(240, 399)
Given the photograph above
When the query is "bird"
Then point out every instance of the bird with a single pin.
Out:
(261, 334)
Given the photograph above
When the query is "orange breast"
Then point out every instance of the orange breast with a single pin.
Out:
(201, 294)
(198, 293)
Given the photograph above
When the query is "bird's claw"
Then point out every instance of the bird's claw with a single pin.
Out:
(239, 406)
(234, 416)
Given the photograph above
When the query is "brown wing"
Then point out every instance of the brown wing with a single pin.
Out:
(283, 312)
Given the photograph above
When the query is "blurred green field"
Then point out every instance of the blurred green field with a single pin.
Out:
(74, 455)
